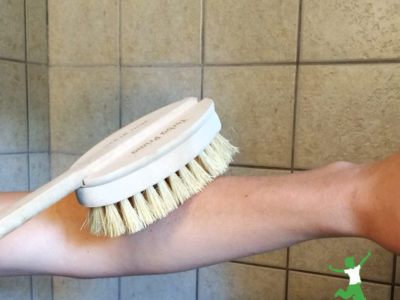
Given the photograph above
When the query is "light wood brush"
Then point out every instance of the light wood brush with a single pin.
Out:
(140, 173)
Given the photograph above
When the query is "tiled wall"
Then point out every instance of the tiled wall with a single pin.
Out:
(24, 111)
(297, 83)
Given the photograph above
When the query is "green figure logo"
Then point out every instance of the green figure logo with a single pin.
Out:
(354, 288)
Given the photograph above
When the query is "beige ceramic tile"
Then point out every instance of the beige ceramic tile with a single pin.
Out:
(36, 31)
(236, 281)
(15, 288)
(303, 286)
(84, 107)
(255, 105)
(41, 288)
(396, 293)
(173, 286)
(13, 122)
(60, 162)
(250, 31)
(350, 30)
(147, 89)
(398, 270)
(317, 255)
(160, 31)
(12, 36)
(347, 112)
(13, 172)
(39, 169)
(88, 289)
(38, 97)
(273, 258)
(83, 32)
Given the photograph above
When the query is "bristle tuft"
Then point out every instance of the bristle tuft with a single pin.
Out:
(166, 194)
(223, 148)
(189, 180)
(130, 217)
(96, 220)
(143, 209)
(201, 175)
(178, 188)
(114, 224)
(213, 164)
(157, 205)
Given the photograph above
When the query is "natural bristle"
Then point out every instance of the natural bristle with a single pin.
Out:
(97, 221)
(130, 217)
(114, 224)
(155, 202)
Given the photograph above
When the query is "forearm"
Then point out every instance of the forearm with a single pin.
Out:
(232, 217)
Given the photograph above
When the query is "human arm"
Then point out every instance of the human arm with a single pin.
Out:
(230, 218)
(336, 270)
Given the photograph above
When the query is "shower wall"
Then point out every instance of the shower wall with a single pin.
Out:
(297, 84)
(24, 116)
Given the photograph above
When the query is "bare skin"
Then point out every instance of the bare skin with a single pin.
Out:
(230, 218)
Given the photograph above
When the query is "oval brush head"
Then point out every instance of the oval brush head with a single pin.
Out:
(166, 157)
(138, 174)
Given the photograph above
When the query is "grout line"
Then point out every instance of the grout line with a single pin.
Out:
(296, 85)
(202, 34)
(306, 272)
(267, 167)
(19, 153)
(119, 288)
(287, 272)
(22, 61)
(336, 276)
(393, 276)
(296, 80)
(202, 39)
(12, 60)
(351, 62)
(31, 285)
(48, 100)
(120, 63)
(257, 265)
(27, 96)
(67, 153)
(83, 66)
(225, 64)
(47, 34)
(197, 284)
(252, 64)
(52, 287)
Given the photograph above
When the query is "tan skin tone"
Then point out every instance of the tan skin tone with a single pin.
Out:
(230, 218)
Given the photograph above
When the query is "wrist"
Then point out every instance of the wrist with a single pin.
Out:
(342, 186)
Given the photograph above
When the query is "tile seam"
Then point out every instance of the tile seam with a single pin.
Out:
(295, 94)
(119, 63)
(27, 121)
(227, 64)
(202, 38)
(393, 277)
(270, 167)
(387, 283)
(27, 96)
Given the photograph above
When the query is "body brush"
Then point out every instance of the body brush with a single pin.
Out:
(140, 173)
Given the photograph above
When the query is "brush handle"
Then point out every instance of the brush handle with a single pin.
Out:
(21, 211)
